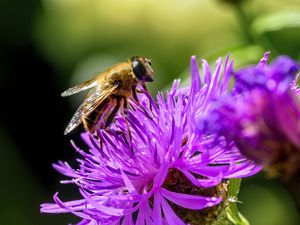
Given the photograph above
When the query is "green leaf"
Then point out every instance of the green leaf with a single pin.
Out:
(276, 21)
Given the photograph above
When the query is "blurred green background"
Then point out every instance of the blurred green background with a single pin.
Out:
(47, 46)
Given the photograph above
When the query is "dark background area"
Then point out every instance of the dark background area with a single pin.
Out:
(46, 46)
(32, 118)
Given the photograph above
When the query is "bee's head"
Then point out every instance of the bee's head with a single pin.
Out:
(141, 67)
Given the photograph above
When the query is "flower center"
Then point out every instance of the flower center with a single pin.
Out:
(176, 181)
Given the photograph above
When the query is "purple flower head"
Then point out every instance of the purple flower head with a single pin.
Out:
(277, 76)
(164, 174)
(261, 115)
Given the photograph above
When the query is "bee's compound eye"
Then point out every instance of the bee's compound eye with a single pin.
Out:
(139, 69)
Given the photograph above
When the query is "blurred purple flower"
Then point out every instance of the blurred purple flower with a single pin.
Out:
(261, 115)
(169, 167)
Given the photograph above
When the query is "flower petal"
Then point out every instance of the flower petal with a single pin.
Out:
(209, 182)
(190, 201)
(170, 215)
(157, 216)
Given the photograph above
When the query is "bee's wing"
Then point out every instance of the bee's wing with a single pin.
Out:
(80, 87)
(97, 98)
(75, 121)
(94, 98)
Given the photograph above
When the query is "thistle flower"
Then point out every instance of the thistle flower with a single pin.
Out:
(262, 115)
(165, 174)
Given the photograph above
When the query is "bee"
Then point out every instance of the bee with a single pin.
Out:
(109, 92)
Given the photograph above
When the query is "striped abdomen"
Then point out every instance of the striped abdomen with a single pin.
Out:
(91, 121)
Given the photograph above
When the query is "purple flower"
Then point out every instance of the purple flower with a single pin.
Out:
(165, 174)
(261, 115)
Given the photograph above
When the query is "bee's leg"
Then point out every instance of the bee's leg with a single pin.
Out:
(113, 113)
(125, 105)
(146, 90)
(123, 135)
(143, 92)
(134, 91)
(145, 87)
(134, 95)
(101, 143)
(109, 119)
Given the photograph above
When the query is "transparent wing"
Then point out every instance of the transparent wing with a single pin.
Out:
(97, 98)
(93, 99)
(78, 88)
(75, 121)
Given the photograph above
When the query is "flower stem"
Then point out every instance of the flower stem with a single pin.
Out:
(232, 210)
